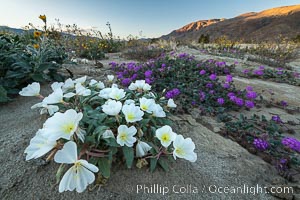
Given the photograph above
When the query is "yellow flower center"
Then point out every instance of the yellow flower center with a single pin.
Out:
(130, 116)
(144, 107)
(123, 136)
(179, 151)
(165, 137)
(68, 128)
(77, 167)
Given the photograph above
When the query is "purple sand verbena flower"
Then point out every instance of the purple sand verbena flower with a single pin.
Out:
(279, 72)
(260, 144)
(251, 95)
(228, 78)
(202, 96)
(226, 85)
(249, 104)
(249, 88)
(220, 101)
(134, 76)
(233, 98)
(202, 72)
(246, 71)
(283, 103)
(211, 92)
(276, 118)
(261, 67)
(163, 65)
(126, 81)
(230, 94)
(148, 80)
(291, 143)
(239, 101)
(258, 72)
(213, 77)
(148, 73)
(209, 85)
(172, 93)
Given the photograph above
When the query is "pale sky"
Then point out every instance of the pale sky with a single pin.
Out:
(153, 17)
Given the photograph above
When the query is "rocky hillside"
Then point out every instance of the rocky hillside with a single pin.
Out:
(265, 25)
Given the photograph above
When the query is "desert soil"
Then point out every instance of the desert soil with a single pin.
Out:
(221, 162)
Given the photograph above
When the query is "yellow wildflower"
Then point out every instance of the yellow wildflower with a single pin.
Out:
(43, 17)
(36, 46)
(37, 34)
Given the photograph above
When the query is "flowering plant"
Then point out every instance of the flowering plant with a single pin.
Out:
(197, 82)
(92, 126)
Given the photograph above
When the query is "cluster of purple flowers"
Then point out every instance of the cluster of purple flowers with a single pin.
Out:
(258, 72)
(276, 118)
(251, 95)
(283, 103)
(279, 71)
(260, 144)
(220, 101)
(202, 72)
(246, 71)
(228, 78)
(172, 93)
(249, 104)
(291, 143)
(213, 77)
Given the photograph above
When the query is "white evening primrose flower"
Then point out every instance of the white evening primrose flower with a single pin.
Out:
(69, 84)
(51, 109)
(129, 101)
(80, 80)
(31, 90)
(94, 83)
(110, 77)
(171, 103)
(146, 104)
(104, 93)
(117, 93)
(125, 135)
(184, 148)
(80, 91)
(108, 134)
(80, 175)
(165, 135)
(39, 146)
(132, 113)
(56, 85)
(158, 111)
(54, 97)
(62, 125)
(139, 85)
(114, 85)
(142, 148)
(112, 107)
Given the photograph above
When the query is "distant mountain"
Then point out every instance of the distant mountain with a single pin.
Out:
(9, 29)
(264, 25)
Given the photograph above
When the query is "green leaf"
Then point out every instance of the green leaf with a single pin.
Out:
(112, 142)
(3, 95)
(38, 77)
(104, 165)
(163, 164)
(153, 163)
(59, 173)
(129, 155)
(98, 132)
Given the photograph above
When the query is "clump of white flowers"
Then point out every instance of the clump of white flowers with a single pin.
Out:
(89, 124)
